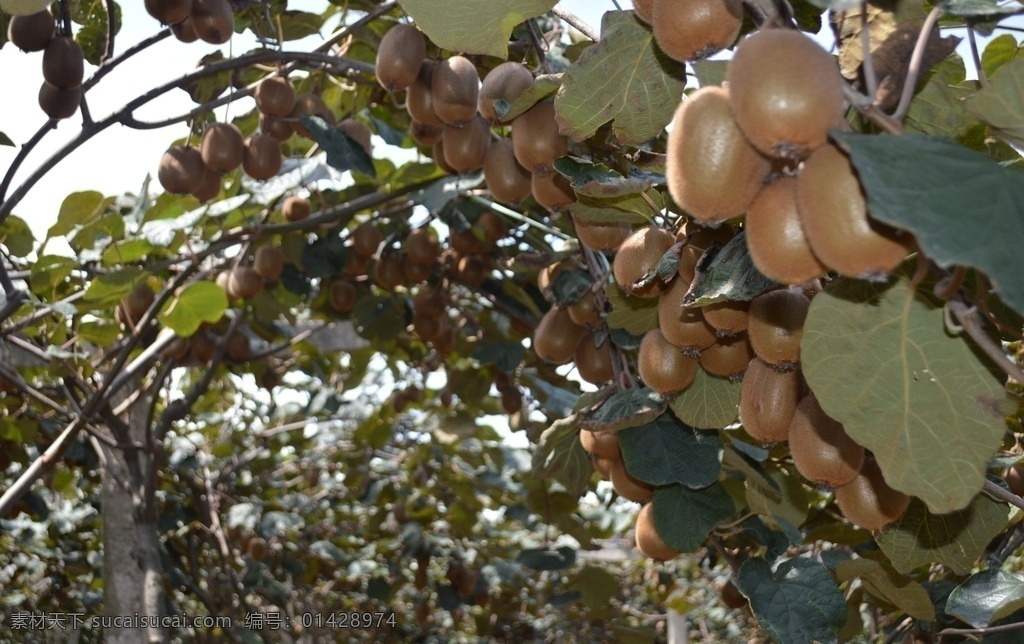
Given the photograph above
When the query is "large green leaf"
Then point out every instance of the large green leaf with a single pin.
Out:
(986, 597)
(473, 26)
(637, 315)
(683, 517)
(625, 409)
(1001, 104)
(999, 51)
(343, 153)
(783, 505)
(197, 303)
(624, 79)
(109, 288)
(937, 107)
(709, 403)
(667, 451)
(16, 235)
(886, 584)
(880, 362)
(79, 209)
(559, 455)
(940, 191)
(955, 540)
(799, 602)
(598, 180)
(727, 274)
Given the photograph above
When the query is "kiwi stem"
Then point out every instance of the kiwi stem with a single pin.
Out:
(982, 78)
(1002, 628)
(866, 106)
(867, 63)
(968, 318)
(915, 63)
(536, 41)
(947, 287)
(577, 23)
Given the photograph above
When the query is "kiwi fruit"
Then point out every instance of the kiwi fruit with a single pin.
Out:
(822, 451)
(455, 89)
(711, 169)
(552, 190)
(169, 12)
(275, 96)
(262, 158)
(776, 240)
(178, 349)
(662, 366)
(356, 264)
(425, 135)
(399, 56)
(417, 272)
(268, 261)
(222, 147)
(602, 236)
(626, 485)
(638, 256)
(212, 20)
(834, 215)
(466, 242)
(728, 317)
(423, 245)
(59, 103)
(465, 147)
(181, 169)
(868, 501)
(786, 92)
(768, 401)
(776, 325)
(1014, 477)
(430, 301)
(312, 105)
(184, 31)
(244, 283)
(644, 10)
(63, 63)
(684, 327)
(648, 541)
(727, 357)
(505, 82)
(256, 548)
(425, 327)
(594, 361)
(277, 127)
(358, 132)
(419, 99)
(238, 347)
(603, 466)
(546, 277)
(31, 32)
(695, 29)
(388, 272)
(507, 181)
(494, 226)
(536, 141)
(601, 444)
(731, 595)
(584, 311)
(295, 208)
(473, 269)
(342, 296)
(202, 346)
(438, 154)
(135, 304)
(366, 238)
(699, 238)
(556, 337)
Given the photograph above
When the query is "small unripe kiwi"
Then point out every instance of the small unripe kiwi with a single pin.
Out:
(244, 283)
(181, 169)
(419, 99)
(775, 237)
(31, 32)
(602, 237)
(786, 92)
(776, 324)
(768, 401)
(455, 90)
(637, 258)
(508, 181)
(822, 451)
(262, 158)
(275, 96)
(342, 296)
(648, 541)
(212, 20)
(626, 485)
(295, 208)
(358, 132)
(552, 190)
(695, 29)
(59, 103)
(169, 12)
(466, 146)
(594, 362)
(506, 81)
(727, 357)
(711, 169)
(556, 336)
(662, 366)
(268, 261)
(399, 56)
(868, 501)
(535, 138)
(601, 444)
(223, 147)
(683, 326)
(63, 63)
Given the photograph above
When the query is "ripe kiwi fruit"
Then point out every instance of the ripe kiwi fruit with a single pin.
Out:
(212, 20)
(711, 169)
(223, 147)
(1014, 477)
(648, 541)
(602, 237)
(430, 301)
(238, 347)
(135, 304)
(508, 181)
(868, 501)
(776, 324)
(594, 361)
(31, 32)
(275, 96)
(399, 56)
(698, 239)
(768, 401)
(505, 82)
(603, 466)
(552, 190)
(695, 29)
(683, 326)
(59, 103)
(465, 146)
(313, 105)
(366, 238)
(389, 272)
(356, 264)
(419, 99)
(268, 261)
(425, 135)
(556, 337)
(423, 245)
(494, 226)
(262, 157)
(358, 132)
(202, 346)
(438, 154)
(244, 283)
(775, 236)
(169, 12)
(601, 444)
(455, 89)
(626, 485)
(425, 327)
(822, 451)
(535, 138)
(728, 317)
(473, 269)
(727, 357)
(644, 10)
(181, 169)
(277, 127)
(63, 63)
(786, 92)
(209, 187)
(584, 311)
(662, 366)
(834, 215)
(295, 208)
(731, 595)
(417, 272)
(184, 31)
(466, 242)
(178, 349)
(638, 256)
(342, 296)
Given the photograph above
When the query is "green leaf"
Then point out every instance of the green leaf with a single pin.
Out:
(955, 540)
(667, 451)
(473, 26)
(709, 403)
(543, 86)
(197, 303)
(16, 235)
(783, 504)
(569, 286)
(684, 518)
(727, 274)
(599, 211)
(6, 140)
(78, 209)
(559, 455)
(49, 271)
(343, 153)
(92, 35)
(109, 288)
(986, 597)
(880, 362)
(1001, 104)
(625, 409)
(886, 584)
(296, 25)
(926, 184)
(632, 208)
(561, 558)
(598, 180)
(937, 107)
(797, 603)
(980, 8)
(23, 7)
(638, 315)
(999, 51)
(437, 195)
(596, 585)
(504, 354)
(710, 72)
(624, 79)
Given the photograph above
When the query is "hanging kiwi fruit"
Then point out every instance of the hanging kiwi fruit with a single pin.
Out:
(399, 56)
(637, 257)
(868, 501)
(455, 90)
(695, 29)
(505, 82)
(822, 451)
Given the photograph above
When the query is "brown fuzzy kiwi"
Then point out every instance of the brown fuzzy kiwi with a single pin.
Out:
(135, 304)
(727, 357)
(268, 261)
(312, 105)
(358, 132)
(786, 92)
(473, 269)
(637, 258)
(552, 190)
(59, 103)
(868, 501)
(277, 127)
(602, 237)
(238, 347)
(275, 96)
(356, 265)
(425, 135)
(417, 272)
(728, 317)
(419, 99)
(508, 181)
(388, 271)
(594, 361)
(644, 10)
(662, 366)
(1014, 477)
(601, 444)
(648, 541)
(399, 56)
(366, 238)
(262, 158)
(822, 451)
(711, 169)
(212, 20)
(31, 32)
(181, 169)
(585, 311)
(835, 219)
(556, 337)
(768, 401)
(210, 186)
(244, 283)
(430, 301)
(626, 485)
(342, 296)
(438, 154)
(603, 466)
(683, 326)
(63, 63)
(169, 12)
(776, 324)
(455, 90)
(775, 237)
(506, 82)
(423, 245)
(695, 29)
(536, 140)
(465, 147)
(223, 147)
(295, 208)
(184, 32)
(495, 226)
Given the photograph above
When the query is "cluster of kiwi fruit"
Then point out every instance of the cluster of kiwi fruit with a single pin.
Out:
(454, 114)
(694, 30)
(63, 61)
(759, 146)
(211, 21)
